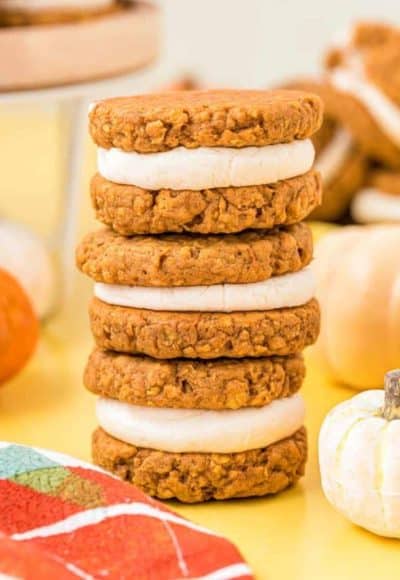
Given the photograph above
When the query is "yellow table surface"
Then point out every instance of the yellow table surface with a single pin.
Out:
(296, 535)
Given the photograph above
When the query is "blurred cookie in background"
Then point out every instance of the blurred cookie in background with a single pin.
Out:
(30, 12)
(379, 201)
(365, 70)
(183, 83)
(338, 158)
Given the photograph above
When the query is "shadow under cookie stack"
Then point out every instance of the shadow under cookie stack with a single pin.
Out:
(203, 296)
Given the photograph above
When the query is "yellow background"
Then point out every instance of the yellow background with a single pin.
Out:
(296, 535)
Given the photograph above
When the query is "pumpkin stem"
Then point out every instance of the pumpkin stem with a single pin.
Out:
(391, 409)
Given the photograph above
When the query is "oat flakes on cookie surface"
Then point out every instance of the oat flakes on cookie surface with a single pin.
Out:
(218, 118)
(129, 209)
(193, 384)
(184, 260)
(204, 335)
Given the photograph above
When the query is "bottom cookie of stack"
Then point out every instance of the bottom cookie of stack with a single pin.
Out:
(197, 477)
(199, 430)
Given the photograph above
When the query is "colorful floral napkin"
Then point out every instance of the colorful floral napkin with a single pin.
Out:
(61, 519)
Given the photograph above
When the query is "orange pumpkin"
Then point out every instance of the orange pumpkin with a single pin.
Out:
(358, 287)
(19, 327)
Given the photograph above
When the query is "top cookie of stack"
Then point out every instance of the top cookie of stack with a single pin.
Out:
(205, 161)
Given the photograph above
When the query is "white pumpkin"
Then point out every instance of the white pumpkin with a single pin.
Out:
(359, 456)
(358, 286)
(25, 256)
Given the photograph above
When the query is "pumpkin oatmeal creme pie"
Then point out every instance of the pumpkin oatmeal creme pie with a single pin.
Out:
(379, 200)
(200, 313)
(339, 159)
(362, 69)
(249, 294)
(34, 12)
(215, 161)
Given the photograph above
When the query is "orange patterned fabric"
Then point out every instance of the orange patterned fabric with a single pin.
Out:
(61, 518)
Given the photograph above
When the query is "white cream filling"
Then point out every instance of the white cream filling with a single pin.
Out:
(333, 157)
(374, 206)
(207, 167)
(284, 291)
(38, 5)
(202, 431)
(352, 79)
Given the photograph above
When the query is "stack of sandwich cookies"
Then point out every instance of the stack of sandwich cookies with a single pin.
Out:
(32, 12)
(198, 335)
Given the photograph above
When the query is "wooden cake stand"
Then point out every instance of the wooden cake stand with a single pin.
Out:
(49, 64)
(60, 54)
